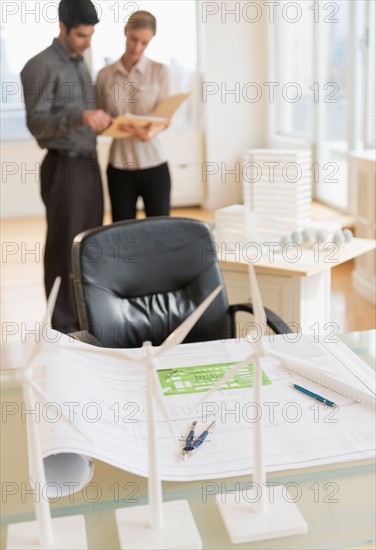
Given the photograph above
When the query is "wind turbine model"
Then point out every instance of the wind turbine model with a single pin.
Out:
(65, 532)
(260, 518)
(175, 528)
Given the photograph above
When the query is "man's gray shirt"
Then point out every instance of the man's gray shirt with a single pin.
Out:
(57, 89)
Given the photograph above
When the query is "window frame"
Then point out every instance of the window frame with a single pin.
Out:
(361, 90)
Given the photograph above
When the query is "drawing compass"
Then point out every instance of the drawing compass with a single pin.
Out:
(192, 443)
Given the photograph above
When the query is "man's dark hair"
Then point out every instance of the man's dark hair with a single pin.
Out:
(77, 12)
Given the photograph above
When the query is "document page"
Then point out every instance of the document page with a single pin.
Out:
(103, 394)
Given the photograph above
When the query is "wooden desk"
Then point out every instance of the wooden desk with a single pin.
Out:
(296, 285)
(337, 501)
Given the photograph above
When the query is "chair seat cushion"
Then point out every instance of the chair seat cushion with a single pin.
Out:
(153, 317)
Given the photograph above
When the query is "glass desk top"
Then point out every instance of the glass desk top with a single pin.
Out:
(337, 501)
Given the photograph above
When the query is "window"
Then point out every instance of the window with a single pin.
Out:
(370, 62)
(294, 70)
(37, 23)
(37, 29)
(333, 109)
(329, 53)
(173, 45)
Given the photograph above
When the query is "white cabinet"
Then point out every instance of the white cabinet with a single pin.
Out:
(363, 165)
(185, 152)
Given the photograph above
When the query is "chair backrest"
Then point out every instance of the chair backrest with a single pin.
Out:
(138, 280)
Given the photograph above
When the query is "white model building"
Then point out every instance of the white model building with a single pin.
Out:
(277, 191)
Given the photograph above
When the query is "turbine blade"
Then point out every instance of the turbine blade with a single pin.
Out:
(225, 378)
(34, 347)
(159, 397)
(178, 335)
(51, 302)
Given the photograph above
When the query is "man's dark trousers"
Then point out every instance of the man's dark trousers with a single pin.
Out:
(71, 190)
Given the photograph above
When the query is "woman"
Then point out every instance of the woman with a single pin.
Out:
(137, 164)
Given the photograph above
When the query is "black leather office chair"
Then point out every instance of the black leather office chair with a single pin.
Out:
(138, 280)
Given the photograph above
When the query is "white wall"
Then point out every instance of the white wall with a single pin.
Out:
(20, 163)
(233, 55)
(20, 178)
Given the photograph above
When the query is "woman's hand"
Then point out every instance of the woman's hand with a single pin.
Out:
(139, 132)
(157, 128)
(144, 133)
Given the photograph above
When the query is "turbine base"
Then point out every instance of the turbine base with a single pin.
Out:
(244, 523)
(179, 531)
(69, 533)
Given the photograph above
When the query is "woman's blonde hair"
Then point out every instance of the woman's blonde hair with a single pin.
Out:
(141, 20)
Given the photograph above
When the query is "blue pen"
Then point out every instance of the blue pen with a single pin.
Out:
(315, 396)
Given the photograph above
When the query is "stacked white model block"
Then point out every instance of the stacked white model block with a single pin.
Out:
(233, 224)
(277, 190)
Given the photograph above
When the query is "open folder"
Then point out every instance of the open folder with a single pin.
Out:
(161, 117)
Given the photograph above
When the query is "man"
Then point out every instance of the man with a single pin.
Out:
(61, 115)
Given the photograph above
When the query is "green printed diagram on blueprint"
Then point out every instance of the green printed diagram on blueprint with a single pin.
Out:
(185, 380)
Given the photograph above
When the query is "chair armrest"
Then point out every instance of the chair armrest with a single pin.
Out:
(86, 337)
(273, 320)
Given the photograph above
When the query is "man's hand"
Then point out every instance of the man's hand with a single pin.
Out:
(97, 119)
